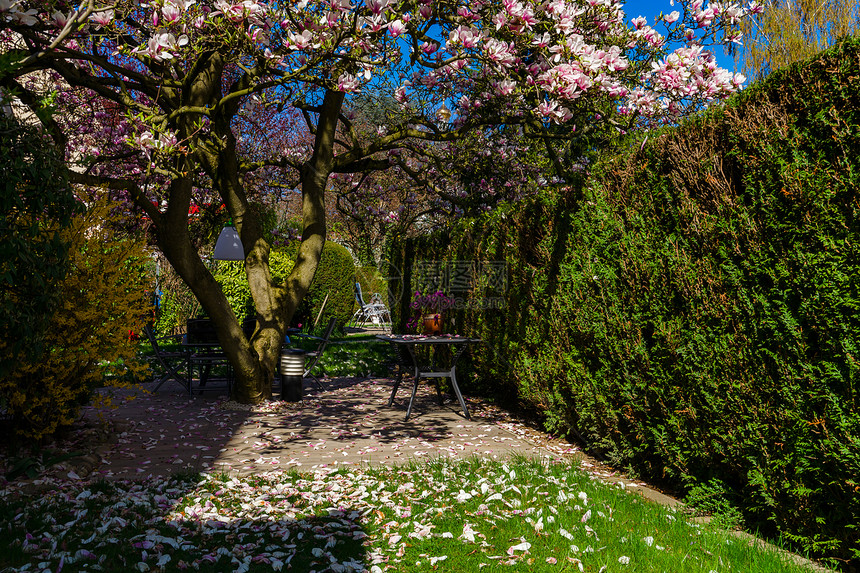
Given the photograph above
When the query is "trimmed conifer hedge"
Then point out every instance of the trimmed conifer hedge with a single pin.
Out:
(696, 318)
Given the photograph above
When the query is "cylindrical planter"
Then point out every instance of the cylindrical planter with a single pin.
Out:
(292, 369)
(432, 323)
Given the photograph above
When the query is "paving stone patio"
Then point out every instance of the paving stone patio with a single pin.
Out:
(347, 423)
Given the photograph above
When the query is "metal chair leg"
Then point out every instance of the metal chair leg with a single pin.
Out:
(459, 395)
(316, 381)
(396, 386)
(412, 399)
(172, 374)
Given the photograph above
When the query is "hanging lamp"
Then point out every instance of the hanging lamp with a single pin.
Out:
(228, 247)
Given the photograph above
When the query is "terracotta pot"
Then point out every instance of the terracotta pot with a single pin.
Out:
(432, 323)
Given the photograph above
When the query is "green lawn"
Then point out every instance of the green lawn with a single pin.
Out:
(518, 515)
(352, 356)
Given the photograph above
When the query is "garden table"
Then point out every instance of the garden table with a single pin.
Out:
(409, 344)
(205, 350)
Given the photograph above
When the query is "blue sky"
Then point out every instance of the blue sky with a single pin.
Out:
(651, 8)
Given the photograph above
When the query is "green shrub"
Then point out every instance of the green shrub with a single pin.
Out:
(90, 340)
(334, 278)
(234, 282)
(36, 201)
(696, 319)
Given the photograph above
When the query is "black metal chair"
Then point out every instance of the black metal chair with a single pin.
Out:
(207, 353)
(312, 357)
(172, 361)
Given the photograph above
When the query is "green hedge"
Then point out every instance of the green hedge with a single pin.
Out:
(334, 275)
(696, 319)
(234, 282)
(372, 282)
(334, 278)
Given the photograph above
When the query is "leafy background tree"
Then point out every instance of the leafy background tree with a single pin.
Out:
(792, 30)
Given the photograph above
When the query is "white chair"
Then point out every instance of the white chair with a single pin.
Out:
(374, 312)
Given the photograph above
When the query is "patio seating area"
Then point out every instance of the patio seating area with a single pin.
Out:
(191, 360)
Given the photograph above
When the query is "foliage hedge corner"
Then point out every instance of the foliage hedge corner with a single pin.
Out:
(696, 319)
(334, 278)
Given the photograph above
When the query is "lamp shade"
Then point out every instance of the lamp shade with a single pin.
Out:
(229, 246)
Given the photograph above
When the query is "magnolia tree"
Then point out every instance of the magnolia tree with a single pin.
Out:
(372, 206)
(182, 73)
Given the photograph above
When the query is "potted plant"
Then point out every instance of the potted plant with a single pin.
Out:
(427, 312)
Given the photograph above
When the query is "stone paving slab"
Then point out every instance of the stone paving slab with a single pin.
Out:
(348, 423)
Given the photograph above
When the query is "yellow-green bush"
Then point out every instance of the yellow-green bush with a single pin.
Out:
(371, 281)
(90, 340)
(334, 278)
(332, 285)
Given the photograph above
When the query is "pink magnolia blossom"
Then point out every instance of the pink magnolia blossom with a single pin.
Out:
(251, 10)
(347, 83)
(521, 60)
(303, 40)
(466, 37)
(755, 7)
(13, 11)
(464, 12)
(542, 41)
(505, 87)
(705, 17)
(61, 19)
(396, 28)
(400, 94)
(732, 13)
(378, 6)
(500, 52)
(341, 5)
(171, 13)
(160, 46)
(639, 22)
(102, 18)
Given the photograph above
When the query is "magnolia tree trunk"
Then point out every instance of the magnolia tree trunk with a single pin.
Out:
(254, 360)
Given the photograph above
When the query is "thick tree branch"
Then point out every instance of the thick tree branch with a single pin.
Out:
(138, 196)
